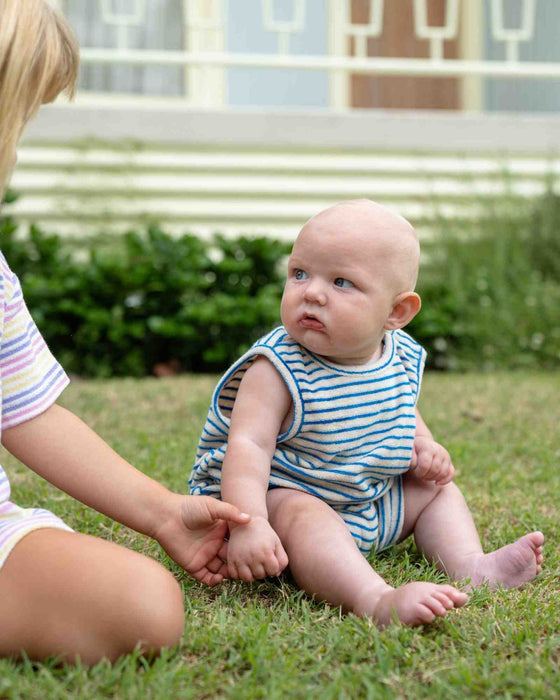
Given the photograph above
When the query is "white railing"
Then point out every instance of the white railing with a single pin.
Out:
(205, 24)
(382, 66)
(123, 21)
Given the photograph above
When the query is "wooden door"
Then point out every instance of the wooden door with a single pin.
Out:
(399, 40)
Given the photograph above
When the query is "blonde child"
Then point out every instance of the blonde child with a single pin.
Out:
(316, 434)
(63, 593)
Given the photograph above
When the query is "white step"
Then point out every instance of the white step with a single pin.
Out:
(29, 156)
(130, 184)
(81, 189)
(265, 210)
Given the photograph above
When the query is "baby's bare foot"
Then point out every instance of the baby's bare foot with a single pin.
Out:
(417, 603)
(511, 566)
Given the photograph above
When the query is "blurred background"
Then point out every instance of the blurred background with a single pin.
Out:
(251, 115)
(245, 117)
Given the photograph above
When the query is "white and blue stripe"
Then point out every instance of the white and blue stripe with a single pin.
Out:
(351, 436)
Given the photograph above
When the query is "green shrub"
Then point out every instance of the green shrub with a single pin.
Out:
(490, 290)
(156, 300)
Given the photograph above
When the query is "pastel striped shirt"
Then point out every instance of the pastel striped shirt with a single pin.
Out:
(30, 381)
(352, 431)
(30, 377)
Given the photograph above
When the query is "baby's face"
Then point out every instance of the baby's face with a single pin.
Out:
(343, 279)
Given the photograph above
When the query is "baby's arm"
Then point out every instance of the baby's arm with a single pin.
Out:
(430, 460)
(64, 450)
(261, 405)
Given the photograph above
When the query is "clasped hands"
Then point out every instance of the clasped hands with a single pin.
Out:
(254, 550)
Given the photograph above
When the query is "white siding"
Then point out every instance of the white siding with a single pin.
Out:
(249, 173)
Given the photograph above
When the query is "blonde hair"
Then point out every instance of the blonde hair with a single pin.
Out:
(38, 60)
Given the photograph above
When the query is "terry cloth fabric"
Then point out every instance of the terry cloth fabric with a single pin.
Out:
(351, 436)
(30, 381)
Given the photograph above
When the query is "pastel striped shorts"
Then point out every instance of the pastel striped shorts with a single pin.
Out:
(16, 522)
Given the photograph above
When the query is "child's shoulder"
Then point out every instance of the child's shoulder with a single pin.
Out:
(409, 351)
(279, 348)
(405, 341)
(276, 339)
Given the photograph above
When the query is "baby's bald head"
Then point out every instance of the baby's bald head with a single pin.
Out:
(378, 233)
(351, 278)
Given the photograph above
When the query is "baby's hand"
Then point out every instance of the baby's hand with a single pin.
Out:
(255, 551)
(431, 461)
(192, 533)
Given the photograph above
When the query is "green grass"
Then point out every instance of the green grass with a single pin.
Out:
(268, 640)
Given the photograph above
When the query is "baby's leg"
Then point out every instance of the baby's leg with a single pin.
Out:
(70, 595)
(326, 562)
(445, 532)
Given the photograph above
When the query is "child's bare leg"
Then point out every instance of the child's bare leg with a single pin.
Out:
(70, 595)
(326, 562)
(445, 532)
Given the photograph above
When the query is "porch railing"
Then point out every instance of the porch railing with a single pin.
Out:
(205, 56)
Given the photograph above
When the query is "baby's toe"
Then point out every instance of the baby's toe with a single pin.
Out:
(536, 539)
(425, 614)
(435, 605)
(444, 599)
(459, 598)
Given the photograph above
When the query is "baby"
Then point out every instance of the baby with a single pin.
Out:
(316, 434)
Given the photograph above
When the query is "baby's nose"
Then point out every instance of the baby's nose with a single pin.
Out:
(315, 293)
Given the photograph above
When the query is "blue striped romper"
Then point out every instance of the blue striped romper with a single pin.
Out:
(350, 439)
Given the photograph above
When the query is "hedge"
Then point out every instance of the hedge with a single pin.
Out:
(154, 303)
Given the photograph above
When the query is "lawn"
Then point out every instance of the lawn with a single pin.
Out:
(268, 640)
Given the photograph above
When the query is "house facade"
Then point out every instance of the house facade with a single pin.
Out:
(248, 116)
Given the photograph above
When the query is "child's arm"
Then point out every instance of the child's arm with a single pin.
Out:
(430, 460)
(261, 405)
(65, 451)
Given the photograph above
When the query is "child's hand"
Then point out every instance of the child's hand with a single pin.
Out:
(255, 551)
(431, 461)
(193, 535)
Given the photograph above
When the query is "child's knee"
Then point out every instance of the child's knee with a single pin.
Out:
(156, 602)
(100, 601)
(147, 613)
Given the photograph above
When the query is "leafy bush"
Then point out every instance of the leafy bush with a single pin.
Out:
(152, 302)
(491, 290)
(156, 302)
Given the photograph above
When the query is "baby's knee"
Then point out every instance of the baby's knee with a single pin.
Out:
(298, 511)
(442, 490)
(424, 489)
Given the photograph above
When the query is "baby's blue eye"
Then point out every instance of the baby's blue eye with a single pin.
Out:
(343, 283)
(300, 274)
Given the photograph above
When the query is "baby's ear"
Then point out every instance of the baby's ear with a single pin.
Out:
(405, 308)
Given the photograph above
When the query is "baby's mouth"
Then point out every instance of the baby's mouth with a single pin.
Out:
(311, 322)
